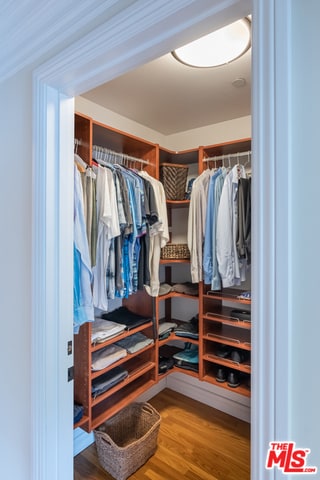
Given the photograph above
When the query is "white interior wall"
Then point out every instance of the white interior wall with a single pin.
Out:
(305, 233)
(15, 284)
(209, 135)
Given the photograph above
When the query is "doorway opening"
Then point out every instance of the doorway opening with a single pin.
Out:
(53, 199)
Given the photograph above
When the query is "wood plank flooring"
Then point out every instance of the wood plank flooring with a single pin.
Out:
(195, 442)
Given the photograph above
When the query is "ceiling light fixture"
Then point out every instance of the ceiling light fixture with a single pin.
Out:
(217, 48)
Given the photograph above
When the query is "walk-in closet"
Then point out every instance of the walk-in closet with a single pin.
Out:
(168, 233)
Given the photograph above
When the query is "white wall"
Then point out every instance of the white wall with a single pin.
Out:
(209, 135)
(218, 133)
(15, 278)
(305, 216)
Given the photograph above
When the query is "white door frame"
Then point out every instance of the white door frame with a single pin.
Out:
(100, 56)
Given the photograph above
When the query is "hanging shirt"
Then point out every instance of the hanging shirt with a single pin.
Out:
(244, 220)
(159, 234)
(231, 268)
(83, 303)
(90, 211)
(210, 263)
(197, 222)
(108, 228)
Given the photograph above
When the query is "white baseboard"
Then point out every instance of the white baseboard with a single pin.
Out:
(216, 397)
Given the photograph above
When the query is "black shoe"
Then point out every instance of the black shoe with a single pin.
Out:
(223, 351)
(237, 356)
(221, 375)
(233, 380)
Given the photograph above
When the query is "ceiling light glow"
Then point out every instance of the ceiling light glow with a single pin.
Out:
(217, 48)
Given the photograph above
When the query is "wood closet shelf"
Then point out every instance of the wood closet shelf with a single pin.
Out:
(121, 336)
(214, 315)
(222, 329)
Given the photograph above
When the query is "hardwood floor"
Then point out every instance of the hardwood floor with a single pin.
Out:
(195, 442)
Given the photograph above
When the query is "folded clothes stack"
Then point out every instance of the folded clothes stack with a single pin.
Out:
(165, 328)
(124, 316)
(135, 342)
(102, 330)
(108, 380)
(188, 329)
(107, 356)
(187, 288)
(77, 413)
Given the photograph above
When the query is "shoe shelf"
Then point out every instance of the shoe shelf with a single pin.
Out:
(226, 317)
(244, 366)
(210, 377)
(225, 332)
(228, 294)
(227, 335)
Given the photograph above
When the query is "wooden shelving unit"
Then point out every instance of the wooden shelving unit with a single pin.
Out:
(216, 326)
(221, 328)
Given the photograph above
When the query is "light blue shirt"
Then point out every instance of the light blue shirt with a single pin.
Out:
(83, 310)
(210, 264)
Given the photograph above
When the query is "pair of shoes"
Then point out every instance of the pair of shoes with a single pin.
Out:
(232, 377)
(224, 351)
(233, 380)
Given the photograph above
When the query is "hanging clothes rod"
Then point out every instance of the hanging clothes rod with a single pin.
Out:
(103, 153)
(229, 156)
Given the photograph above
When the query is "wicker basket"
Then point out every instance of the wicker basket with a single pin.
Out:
(174, 179)
(175, 251)
(128, 439)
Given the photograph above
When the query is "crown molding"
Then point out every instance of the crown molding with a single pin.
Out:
(47, 31)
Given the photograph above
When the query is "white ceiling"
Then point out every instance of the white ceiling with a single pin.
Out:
(170, 97)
